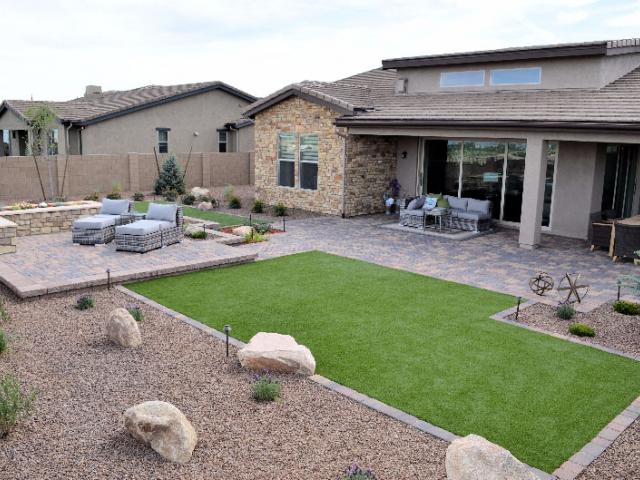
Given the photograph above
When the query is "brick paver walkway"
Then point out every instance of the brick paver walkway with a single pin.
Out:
(492, 261)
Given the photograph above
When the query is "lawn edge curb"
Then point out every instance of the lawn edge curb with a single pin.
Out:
(343, 390)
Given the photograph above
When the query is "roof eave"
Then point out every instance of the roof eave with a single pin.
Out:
(298, 93)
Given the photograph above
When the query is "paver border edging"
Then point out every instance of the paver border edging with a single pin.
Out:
(358, 397)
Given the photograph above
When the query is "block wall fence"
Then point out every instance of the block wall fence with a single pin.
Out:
(132, 172)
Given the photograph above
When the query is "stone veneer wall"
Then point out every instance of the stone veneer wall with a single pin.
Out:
(296, 115)
(8, 232)
(39, 221)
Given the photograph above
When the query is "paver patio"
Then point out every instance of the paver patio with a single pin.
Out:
(51, 263)
(494, 261)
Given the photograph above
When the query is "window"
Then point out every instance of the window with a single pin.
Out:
(6, 143)
(516, 76)
(286, 159)
(552, 157)
(222, 141)
(471, 78)
(163, 140)
(309, 162)
(52, 142)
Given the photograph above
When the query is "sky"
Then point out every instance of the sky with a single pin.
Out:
(52, 49)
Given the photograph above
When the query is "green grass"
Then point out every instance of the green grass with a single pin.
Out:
(424, 345)
(223, 219)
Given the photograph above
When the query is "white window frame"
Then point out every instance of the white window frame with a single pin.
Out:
(159, 131)
(300, 161)
(295, 177)
(493, 84)
(443, 74)
(225, 142)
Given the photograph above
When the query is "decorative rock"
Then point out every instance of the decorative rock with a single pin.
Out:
(123, 329)
(164, 428)
(242, 231)
(200, 192)
(205, 206)
(192, 228)
(475, 458)
(277, 353)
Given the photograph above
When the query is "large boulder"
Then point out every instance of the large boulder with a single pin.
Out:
(242, 231)
(200, 193)
(123, 329)
(164, 428)
(277, 353)
(205, 206)
(476, 458)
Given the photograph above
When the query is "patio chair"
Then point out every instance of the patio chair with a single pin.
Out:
(101, 228)
(161, 227)
(627, 241)
(600, 230)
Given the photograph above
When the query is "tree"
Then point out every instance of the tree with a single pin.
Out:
(41, 120)
(170, 177)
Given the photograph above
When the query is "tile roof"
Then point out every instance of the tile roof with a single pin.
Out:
(98, 107)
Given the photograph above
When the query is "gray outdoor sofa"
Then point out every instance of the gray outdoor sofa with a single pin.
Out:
(463, 213)
(101, 228)
(161, 226)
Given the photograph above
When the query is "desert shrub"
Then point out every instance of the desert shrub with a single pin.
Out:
(170, 178)
(354, 472)
(565, 311)
(228, 193)
(136, 312)
(262, 228)
(258, 206)
(626, 308)
(254, 237)
(171, 195)
(214, 203)
(582, 330)
(234, 202)
(3, 342)
(280, 210)
(265, 388)
(188, 199)
(138, 196)
(14, 403)
(93, 197)
(116, 192)
(84, 302)
(199, 235)
(4, 315)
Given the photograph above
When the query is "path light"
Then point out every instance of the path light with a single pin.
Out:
(108, 279)
(284, 225)
(227, 329)
(518, 308)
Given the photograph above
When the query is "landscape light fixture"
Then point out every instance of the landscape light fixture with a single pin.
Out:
(108, 279)
(518, 308)
(227, 329)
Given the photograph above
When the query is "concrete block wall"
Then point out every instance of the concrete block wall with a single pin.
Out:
(8, 234)
(41, 221)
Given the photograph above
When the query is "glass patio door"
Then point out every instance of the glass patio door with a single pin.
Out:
(619, 180)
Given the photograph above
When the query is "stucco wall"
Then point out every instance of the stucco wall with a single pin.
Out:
(295, 115)
(136, 132)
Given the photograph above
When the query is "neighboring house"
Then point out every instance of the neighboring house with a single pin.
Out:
(177, 118)
(550, 134)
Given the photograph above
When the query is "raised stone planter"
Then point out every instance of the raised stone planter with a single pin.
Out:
(8, 233)
(40, 221)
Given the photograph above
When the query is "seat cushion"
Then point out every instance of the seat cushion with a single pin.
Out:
(95, 222)
(114, 207)
(162, 212)
(458, 203)
(473, 216)
(143, 227)
(482, 206)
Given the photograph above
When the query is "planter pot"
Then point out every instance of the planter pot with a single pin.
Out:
(636, 261)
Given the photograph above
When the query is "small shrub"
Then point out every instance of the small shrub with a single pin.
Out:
(582, 330)
(214, 203)
(228, 193)
(199, 235)
(92, 197)
(116, 192)
(354, 472)
(170, 195)
(4, 315)
(136, 313)
(3, 342)
(254, 237)
(626, 308)
(280, 210)
(265, 388)
(14, 403)
(258, 206)
(262, 228)
(138, 196)
(188, 199)
(84, 302)
(234, 202)
(565, 311)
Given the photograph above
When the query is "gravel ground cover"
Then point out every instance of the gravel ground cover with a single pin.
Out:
(613, 329)
(85, 384)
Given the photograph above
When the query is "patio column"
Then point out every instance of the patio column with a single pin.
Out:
(535, 171)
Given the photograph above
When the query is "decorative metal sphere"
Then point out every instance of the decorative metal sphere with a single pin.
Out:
(541, 283)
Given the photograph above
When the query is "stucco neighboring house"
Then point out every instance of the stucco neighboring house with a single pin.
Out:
(549, 134)
(199, 116)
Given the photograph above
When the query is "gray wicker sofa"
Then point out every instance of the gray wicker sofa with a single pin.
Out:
(161, 227)
(101, 228)
(461, 214)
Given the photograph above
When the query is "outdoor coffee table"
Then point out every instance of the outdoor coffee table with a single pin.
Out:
(437, 214)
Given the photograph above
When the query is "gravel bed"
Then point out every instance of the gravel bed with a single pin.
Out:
(621, 461)
(85, 384)
(613, 330)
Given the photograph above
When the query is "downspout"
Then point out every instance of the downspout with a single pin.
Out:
(344, 170)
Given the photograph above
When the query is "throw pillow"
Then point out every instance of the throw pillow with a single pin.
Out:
(438, 196)
(430, 203)
(443, 203)
(412, 204)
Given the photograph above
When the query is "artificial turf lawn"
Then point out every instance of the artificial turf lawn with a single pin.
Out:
(224, 219)
(421, 344)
